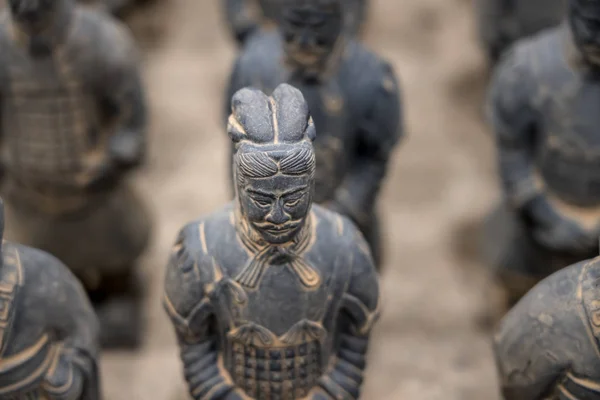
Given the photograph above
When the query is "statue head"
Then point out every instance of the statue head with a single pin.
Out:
(274, 161)
(34, 16)
(584, 21)
(311, 30)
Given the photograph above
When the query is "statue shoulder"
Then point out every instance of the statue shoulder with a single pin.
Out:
(40, 269)
(113, 43)
(191, 269)
(361, 299)
(547, 323)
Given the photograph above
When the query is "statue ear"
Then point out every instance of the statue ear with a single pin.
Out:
(311, 131)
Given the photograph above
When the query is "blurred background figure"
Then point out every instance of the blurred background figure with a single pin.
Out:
(502, 22)
(73, 120)
(116, 7)
(244, 17)
(353, 96)
(543, 109)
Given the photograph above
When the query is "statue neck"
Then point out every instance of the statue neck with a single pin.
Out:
(323, 72)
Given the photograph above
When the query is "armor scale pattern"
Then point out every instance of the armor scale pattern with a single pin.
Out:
(283, 373)
(48, 140)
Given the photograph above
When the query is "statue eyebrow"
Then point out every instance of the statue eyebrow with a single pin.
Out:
(259, 193)
(294, 191)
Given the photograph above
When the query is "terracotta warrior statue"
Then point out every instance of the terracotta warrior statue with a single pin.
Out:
(353, 97)
(73, 119)
(542, 108)
(48, 329)
(548, 345)
(246, 17)
(272, 297)
(503, 22)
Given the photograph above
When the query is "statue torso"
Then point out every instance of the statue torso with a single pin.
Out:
(567, 143)
(50, 117)
(277, 330)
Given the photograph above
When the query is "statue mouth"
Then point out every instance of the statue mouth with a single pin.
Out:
(277, 230)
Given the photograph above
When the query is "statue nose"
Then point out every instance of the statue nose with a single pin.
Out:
(277, 216)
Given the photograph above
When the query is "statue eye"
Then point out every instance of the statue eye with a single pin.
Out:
(262, 203)
(293, 201)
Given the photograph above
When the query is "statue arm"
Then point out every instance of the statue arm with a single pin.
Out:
(74, 373)
(513, 120)
(380, 131)
(191, 313)
(125, 100)
(542, 338)
(359, 312)
(242, 18)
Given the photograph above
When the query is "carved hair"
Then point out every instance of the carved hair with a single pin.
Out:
(271, 134)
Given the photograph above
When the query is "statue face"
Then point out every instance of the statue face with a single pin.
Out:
(32, 15)
(276, 207)
(585, 25)
(310, 32)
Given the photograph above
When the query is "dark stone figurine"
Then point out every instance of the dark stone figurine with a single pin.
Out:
(73, 118)
(542, 108)
(246, 17)
(48, 329)
(272, 297)
(503, 22)
(353, 97)
(548, 345)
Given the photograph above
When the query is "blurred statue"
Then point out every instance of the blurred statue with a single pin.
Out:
(114, 7)
(353, 97)
(271, 297)
(73, 119)
(48, 329)
(502, 22)
(548, 345)
(543, 109)
(245, 17)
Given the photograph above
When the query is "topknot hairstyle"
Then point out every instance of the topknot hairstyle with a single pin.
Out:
(281, 118)
(271, 134)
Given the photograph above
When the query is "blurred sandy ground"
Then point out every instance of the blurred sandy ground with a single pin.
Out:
(427, 345)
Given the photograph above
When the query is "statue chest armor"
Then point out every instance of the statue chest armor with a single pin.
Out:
(335, 140)
(568, 148)
(46, 120)
(21, 371)
(276, 335)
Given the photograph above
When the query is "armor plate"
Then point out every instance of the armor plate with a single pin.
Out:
(47, 123)
(270, 368)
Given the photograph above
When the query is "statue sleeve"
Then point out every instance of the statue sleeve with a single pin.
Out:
(74, 372)
(242, 18)
(124, 97)
(191, 313)
(513, 121)
(380, 130)
(359, 312)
